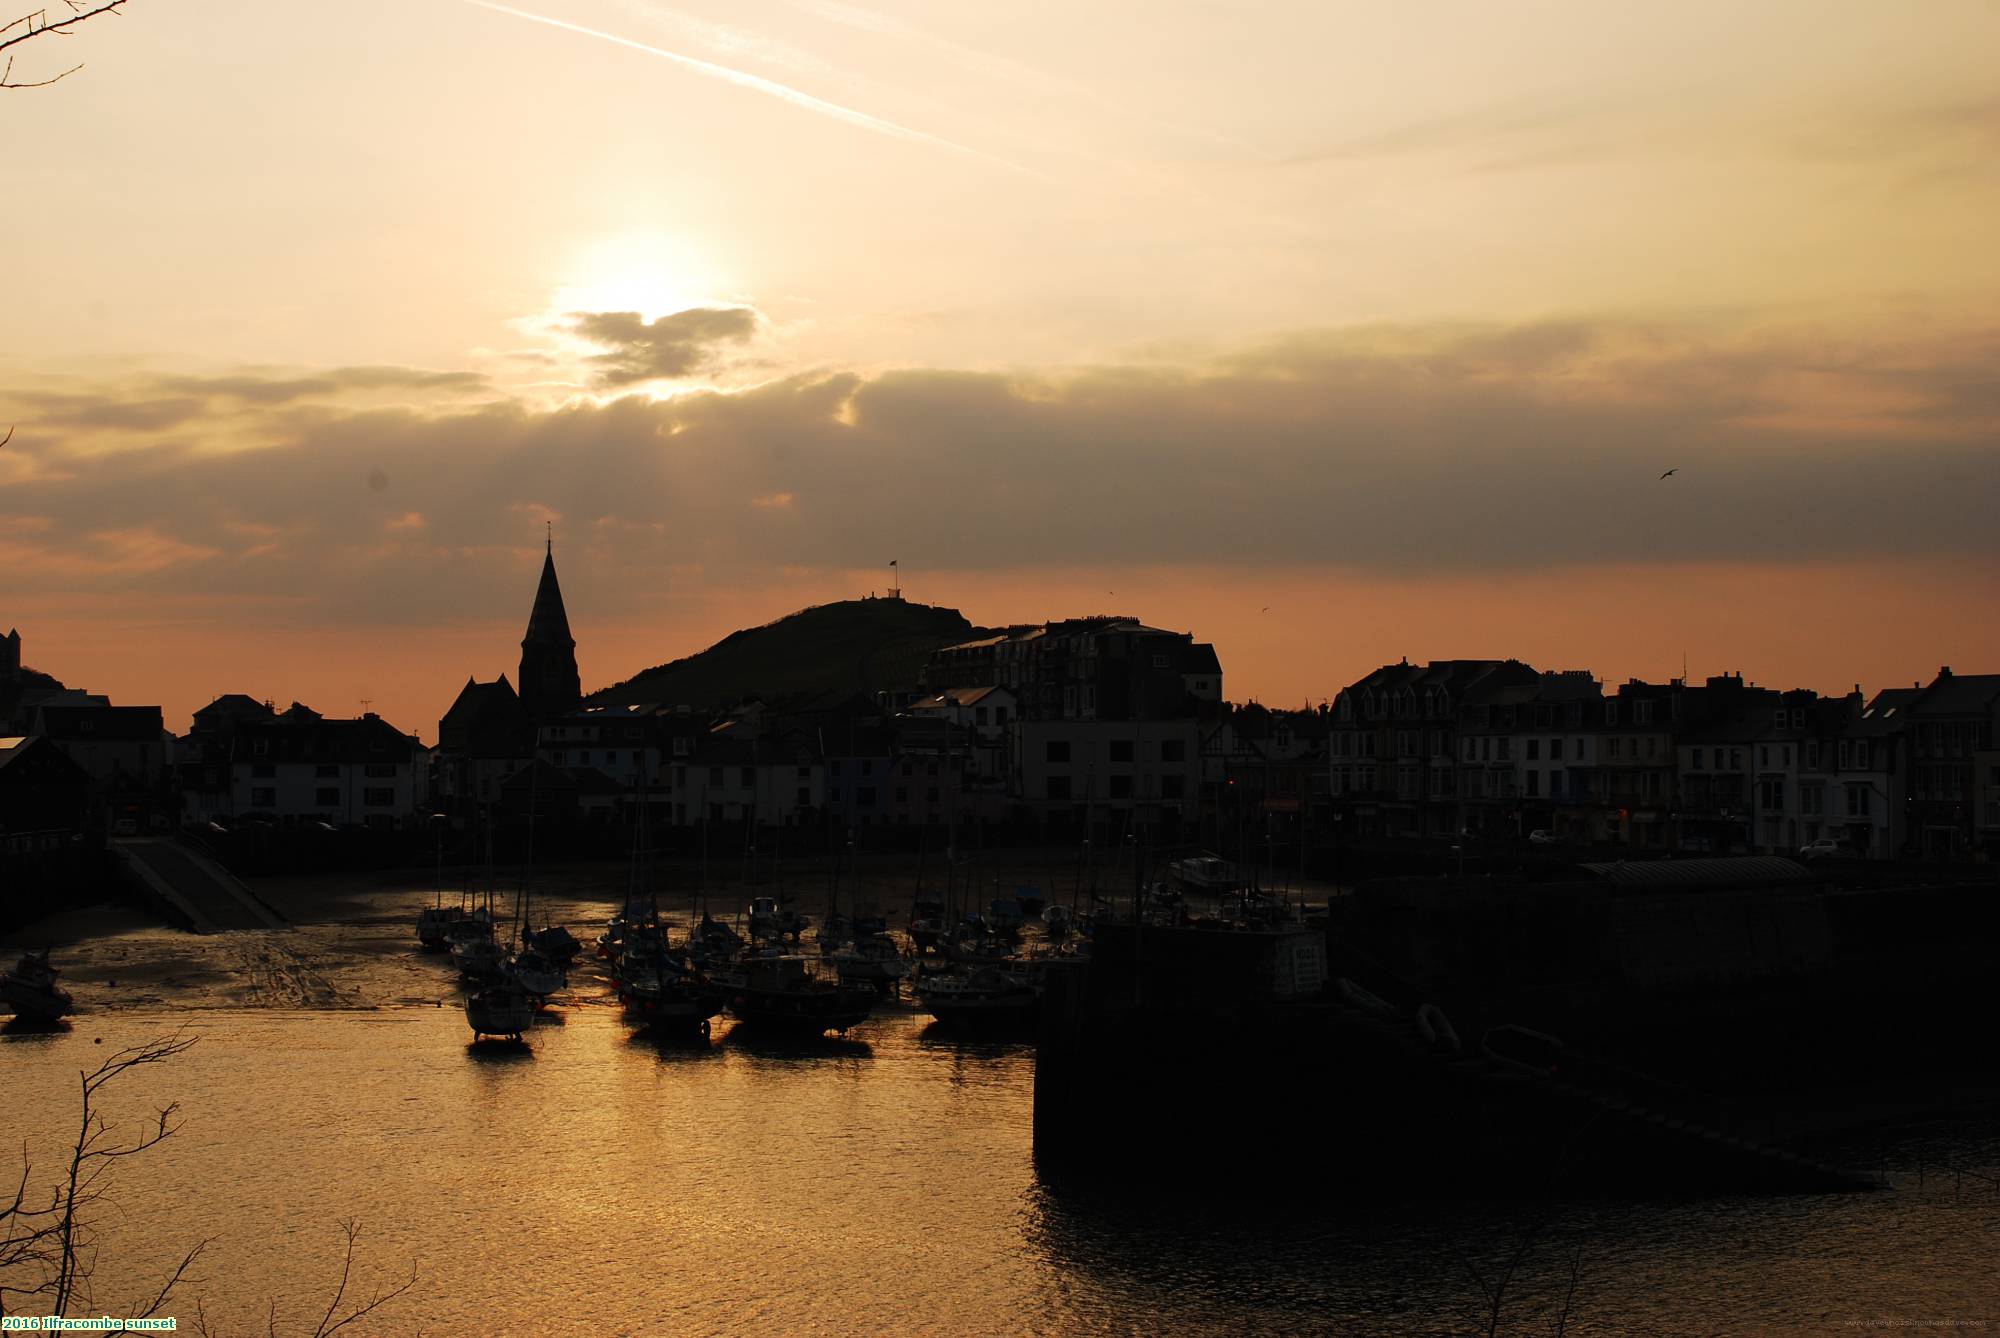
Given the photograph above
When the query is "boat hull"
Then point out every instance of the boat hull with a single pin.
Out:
(811, 1013)
(499, 1012)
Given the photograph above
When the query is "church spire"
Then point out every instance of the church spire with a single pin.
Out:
(549, 681)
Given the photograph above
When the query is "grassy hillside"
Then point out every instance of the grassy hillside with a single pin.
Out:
(823, 653)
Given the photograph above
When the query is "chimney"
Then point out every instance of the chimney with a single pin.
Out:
(1944, 671)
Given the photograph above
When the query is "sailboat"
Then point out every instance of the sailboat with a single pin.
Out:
(657, 983)
(532, 970)
(434, 919)
(500, 1010)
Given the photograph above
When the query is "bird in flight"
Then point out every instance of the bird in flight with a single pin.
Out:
(1674, 470)
(10, 435)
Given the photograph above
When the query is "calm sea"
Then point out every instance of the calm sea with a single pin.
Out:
(597, 1182)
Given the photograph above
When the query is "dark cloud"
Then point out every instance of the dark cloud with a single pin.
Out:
(670, 346)
(1531, 449)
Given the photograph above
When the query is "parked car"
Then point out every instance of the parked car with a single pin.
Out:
(1828, 847)
(1541, 836)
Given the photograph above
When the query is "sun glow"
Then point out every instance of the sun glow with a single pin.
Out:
(654, 274)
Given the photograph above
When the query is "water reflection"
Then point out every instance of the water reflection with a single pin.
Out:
(887, 1183)
(672, 1044)
(791, 1048)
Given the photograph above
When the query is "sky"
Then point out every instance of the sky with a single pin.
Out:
(1333, 333)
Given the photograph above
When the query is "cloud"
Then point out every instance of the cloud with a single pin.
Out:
(671, 346)
(1533, 449)
(53, 409)
(260, 388)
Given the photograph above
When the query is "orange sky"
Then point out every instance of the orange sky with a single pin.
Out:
(1324, 630)
(1387, 318)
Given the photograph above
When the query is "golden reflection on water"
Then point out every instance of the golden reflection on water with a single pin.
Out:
(599, 1180)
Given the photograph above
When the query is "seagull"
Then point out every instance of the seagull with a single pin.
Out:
(1674, 470)
(1267, 608)
(10, 435)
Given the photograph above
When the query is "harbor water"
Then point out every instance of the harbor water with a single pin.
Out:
(595, 1181)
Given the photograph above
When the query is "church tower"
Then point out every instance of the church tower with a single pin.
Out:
(549, 682)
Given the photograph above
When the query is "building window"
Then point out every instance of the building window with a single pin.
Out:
(1121, 750)
(1534, 750)
(902, 794)
(379, 771)
(1695, 764)
(264, 796)
(1611, 713)
(749, 777)
(1555, 784)
(1173, 750)
(264, 771)
(1173, 787)
(379, 796)
(1857, 801)
(1057, 751)
(325, 772)
(1121, 786)
(715, 776)
(327, 798)
(1058, 787)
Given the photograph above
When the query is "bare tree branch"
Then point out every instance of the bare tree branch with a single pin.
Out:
(37, 23)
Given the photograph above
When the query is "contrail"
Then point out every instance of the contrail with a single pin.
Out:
(769, 87)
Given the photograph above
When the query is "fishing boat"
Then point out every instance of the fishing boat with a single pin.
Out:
(781, 994)
(500, 1010)
(984, 999)
(30, 989)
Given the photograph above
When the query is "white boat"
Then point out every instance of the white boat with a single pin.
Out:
(30, 989)
(1206, 873)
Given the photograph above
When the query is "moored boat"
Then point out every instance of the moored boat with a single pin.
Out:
(499, 1010)
(780, 993)
(434, 926)
(30, 989)
(986, 998)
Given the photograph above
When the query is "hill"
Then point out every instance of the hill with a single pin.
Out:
(817, 655)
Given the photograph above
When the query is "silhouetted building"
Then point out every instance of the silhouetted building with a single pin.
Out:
(549, 681)
(484, 738)
(1949, 728)
(300, 766)
(44, 796)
